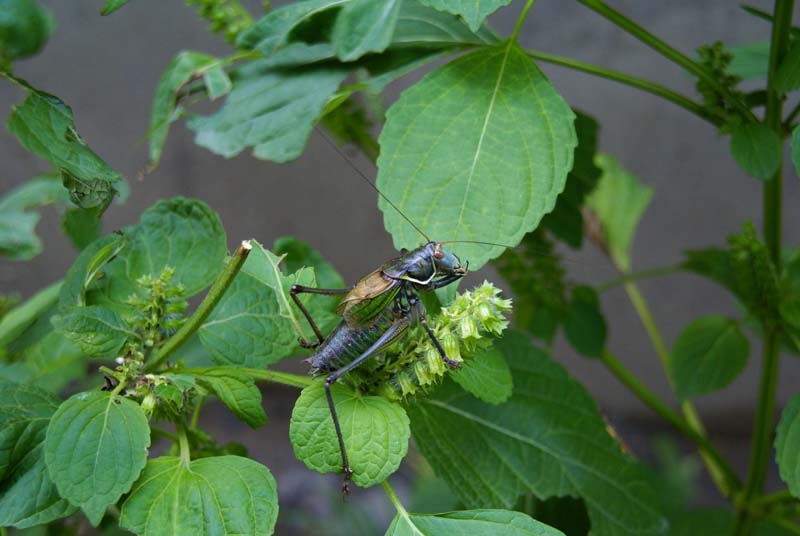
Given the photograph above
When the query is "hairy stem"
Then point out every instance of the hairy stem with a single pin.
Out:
(183, 443)
(636, 276)
(396, 502)
(292, 380)
(668, 52)
(633, 81)
(194, 322)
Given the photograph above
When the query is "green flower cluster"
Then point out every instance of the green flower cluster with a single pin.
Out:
(159, 308)
(413, 365)
(226, 16)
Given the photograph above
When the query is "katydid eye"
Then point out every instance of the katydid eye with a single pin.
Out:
(439, 254)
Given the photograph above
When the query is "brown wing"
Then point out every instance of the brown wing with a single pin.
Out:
(369, 287)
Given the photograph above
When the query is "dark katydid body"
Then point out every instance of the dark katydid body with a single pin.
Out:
(375, 312)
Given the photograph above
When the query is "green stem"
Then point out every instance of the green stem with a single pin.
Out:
(183, 443)
(635, 276)
(728, 481)
(396, 502)
(159, 432)
(521, 19)
(668, 52)
(633, 81)
(204, 309)
(779, 496)
(791, 117)
(20, 317)
(640, 305)
(274, 376)
(196, 413)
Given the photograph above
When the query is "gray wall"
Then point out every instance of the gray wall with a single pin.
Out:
(107, 69)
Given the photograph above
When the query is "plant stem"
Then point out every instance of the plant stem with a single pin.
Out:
(629, 80)
(521, 19)
(204, 309)
(196, 413)
(791, 117)
(396, 503)
(183, 443)
(635, 276)
(274, 376)
(724, 475)
(668, 52)
(159, 432)
(779, 496)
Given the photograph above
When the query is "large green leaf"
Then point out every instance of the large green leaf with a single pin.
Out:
(95, 448)
(256, 323)
(787, 445)
(271, 111)
(375, 433)
(549, 439)
(757, 149)
(750, 61)
(470, 523)
(43, 125)
(235, 389)
(473, 11)
(618, 202)
(421, 26)
(51, 363)
(27, 495)
(24, 29)
(477, 150)
(224, 495)
(99, 332)
(364, 26)
(708, 355)
(274, 29)
(486, 376)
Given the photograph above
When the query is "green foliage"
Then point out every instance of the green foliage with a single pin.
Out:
(474, 13)
(708, 355)
(584, 324)
(788, 76)
(470, 523)
(487, 377)
(757, 149)
(364, 26)
(549, 428)
(472, 123)
(112, 5)
(95, 448)
(796, 149)
(99, 332)
(236, 390)
(754, 274)
(27, 495)
(158, 306)
(716, 59)
(227, 17)
(749, 61)
(24, 29)
(18, 240)
(618, 203)
(225, 495)
(296, 254)
(376, 437)
(787, 445)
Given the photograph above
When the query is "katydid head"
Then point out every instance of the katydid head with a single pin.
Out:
(446, 262)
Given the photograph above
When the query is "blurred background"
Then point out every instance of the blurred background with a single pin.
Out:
(107, 68)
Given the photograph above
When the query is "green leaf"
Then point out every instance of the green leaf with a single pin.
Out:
(18, 240)
(298, 254)
(717, 521)
(750, 61)
(457, 153)
(27, 495)
(43, 125)
(99, 332)
(375, 433)
(52, 362)
(787, 445)
(755, 276)
(24, 29)
(788, 76)
(566, 219)
(87, 268)
(82, 226)
(708, 355)
(112, 5)
(217, 82)
(618, 202)
(470, 523)
(273, 30)
(182, 233)
(549, 439)
(236, 390)
(757, 149)
(255, 323)
(584, 324)
(713, 263)
(473, 11)
(19, 318)
(186, 66)
(95, 448)
(269, 110)
(421, 26)
(486, 376)
(796, 149)
(364, 26)
(225, 495)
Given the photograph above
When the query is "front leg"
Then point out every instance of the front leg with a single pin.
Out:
(299, 289)
(415, 302)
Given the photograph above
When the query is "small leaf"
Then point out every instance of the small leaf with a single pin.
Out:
(236, 390)
(112, 5)
(298, 254)
(87, 268)
(24, 29)
(796, 149)
(27, 495)
(182, 69)
(708, 355)
(375, 433)
(271, 111)
(44, 125)
(618, 202)
(473, 11)
(457, 153)
(95, 448)
(584, 324)
(364, 26)
(18, 319)
(787, 445)
(82, 226)
(470, 523)
(99, 332)
(217, 82)
(486, 376)
(224, 495)
(750, 61)
(788, 76)
(757, 149)
(272, 31)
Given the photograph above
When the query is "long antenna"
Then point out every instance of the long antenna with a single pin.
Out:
(366, 179)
